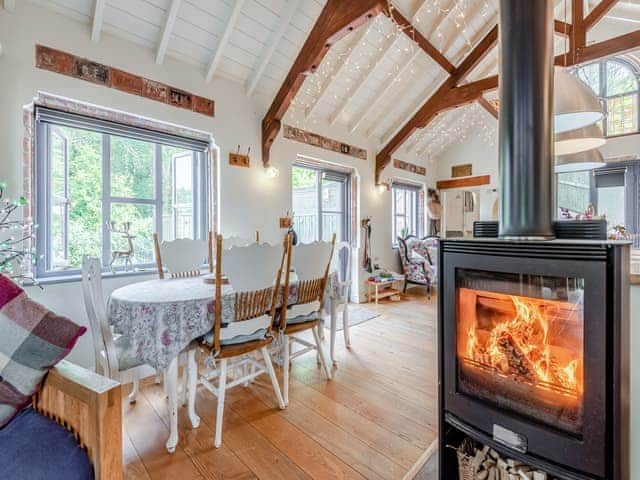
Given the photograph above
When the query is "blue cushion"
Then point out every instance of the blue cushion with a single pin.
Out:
(257, 335)
(310, 317)
(36, 448)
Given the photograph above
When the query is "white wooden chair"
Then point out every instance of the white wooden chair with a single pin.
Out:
(251, 271)
(183, 257)
(312, 263)
(238, 241)
(111, 352)
(340, 303)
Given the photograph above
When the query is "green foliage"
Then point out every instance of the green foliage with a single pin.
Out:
(132, 176)
(303, 177)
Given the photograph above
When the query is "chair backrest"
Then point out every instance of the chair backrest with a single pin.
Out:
(182, 257)
(104, 348)
(312, 262)
(236, 241)
(403, 250)
(341, 261)
(254, 272)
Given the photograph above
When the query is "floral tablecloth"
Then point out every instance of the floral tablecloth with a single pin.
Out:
(162, 317)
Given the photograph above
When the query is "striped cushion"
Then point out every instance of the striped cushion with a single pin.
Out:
(32, 340)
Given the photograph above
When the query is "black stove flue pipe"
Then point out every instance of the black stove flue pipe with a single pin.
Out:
(526, 126)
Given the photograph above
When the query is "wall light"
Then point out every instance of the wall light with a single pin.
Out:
(272, 172)
(383, 187)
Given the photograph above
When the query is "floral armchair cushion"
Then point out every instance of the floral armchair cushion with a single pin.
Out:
(416, 256)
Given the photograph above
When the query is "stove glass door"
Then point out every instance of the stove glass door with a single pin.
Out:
(520, 344)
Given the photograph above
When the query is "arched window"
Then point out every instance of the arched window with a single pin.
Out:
(616, 82)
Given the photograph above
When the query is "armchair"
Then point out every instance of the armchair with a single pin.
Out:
(88, 405)
(417, 264)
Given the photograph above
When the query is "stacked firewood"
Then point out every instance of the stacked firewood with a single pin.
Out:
(487, 464)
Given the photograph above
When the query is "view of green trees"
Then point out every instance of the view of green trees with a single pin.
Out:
(78, 153)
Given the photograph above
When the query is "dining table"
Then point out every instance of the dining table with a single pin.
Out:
(164, 317)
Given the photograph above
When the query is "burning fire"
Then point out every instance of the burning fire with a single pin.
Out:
(519, 347)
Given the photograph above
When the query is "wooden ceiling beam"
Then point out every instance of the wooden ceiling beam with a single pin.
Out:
(336, 20)
(562, 28)
(172, 15)
(382, 95)
(222, 44)
(410, 31)
(578, 37)
(98, 15)
(598, 12)
(355, 93)
(344, 62)
(488, 106)
(446, 96)
(269, 49)
(607, 48)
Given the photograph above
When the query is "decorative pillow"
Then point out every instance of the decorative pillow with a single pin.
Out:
(32, 340)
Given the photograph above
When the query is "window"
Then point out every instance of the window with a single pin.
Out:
(616, 82)
(320, 203)
(612, 191)
(94, 178)
(405, 210)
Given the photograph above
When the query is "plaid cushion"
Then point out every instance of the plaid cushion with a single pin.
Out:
(32, 340)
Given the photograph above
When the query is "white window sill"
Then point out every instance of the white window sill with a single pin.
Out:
(77, 277)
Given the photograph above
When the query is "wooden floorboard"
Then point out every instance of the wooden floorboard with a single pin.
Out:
(374, 420)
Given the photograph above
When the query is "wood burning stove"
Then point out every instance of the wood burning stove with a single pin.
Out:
(533, 332)
(533, 358)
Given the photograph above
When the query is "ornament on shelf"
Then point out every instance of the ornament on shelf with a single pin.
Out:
(17, 255)
(126, 255)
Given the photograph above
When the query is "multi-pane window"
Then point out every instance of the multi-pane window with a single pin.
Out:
(95, 179)
(405, 209)
(320, 202)
(616, 82)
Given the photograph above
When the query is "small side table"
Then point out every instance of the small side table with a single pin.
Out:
(383, 288)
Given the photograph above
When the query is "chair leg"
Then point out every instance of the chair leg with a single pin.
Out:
(134, 391)
(321, 353)
(245, 371)
(222, 388)
(345, 326)
(272, 375)
(334, 326)
(192, 372)
(287, 360)
(183, 386)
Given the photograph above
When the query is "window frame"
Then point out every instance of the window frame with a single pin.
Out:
(631, 171)
(336, 176)
(415, 191)
(602, 93)
(43, 268)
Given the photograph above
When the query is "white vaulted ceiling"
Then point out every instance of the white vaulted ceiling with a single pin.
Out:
(371, 81)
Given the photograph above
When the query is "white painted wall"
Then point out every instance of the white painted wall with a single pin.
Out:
(249, 200)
